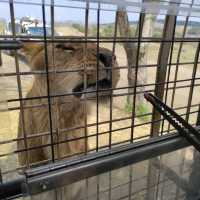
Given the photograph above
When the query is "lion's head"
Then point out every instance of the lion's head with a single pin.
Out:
(71, 63)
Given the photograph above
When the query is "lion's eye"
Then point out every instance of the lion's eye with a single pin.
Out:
(65, 47)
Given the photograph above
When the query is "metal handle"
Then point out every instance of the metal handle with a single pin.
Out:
(184, 129)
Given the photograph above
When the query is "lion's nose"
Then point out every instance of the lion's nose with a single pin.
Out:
(106, 59)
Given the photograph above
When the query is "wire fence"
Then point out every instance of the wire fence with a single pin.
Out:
(72, 58)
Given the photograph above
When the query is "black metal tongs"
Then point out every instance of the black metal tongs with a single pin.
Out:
(184, 129)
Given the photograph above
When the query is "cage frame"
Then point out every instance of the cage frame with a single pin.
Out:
(36, 181)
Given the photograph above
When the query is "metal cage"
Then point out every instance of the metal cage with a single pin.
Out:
(119, 132)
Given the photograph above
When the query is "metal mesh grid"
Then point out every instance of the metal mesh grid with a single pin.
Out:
(174, 51)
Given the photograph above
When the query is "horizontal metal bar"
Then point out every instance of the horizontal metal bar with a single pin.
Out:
(118, 2)
(103, 147)
(61, 173)
(182, 9)
(39, 72)
(66, 172)
(102, 39)
(102, 90)
(78, 138)
(12, 189)
(10, 45)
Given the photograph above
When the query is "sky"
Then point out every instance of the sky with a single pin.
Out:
(61, 13)
(64, 14)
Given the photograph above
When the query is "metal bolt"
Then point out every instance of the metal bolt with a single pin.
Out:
(44, 186)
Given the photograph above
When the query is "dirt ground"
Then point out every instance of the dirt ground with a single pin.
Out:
(9, 119)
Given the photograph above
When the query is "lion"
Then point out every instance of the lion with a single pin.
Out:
(66, 102)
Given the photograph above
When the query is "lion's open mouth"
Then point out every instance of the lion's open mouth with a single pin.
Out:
(92, 87)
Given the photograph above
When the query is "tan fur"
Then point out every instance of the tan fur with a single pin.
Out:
(67, 111)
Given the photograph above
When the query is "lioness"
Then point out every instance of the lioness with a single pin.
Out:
(67, 111)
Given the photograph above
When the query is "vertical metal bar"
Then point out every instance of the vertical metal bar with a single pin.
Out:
(162, 69)
(163, 186)
(111, 72)
(52, 22)
(85, 75)
(181, 171)
(158, 182)
(19, 86)
(177, 66)
(97, 75)
(85, 83)
(47, 78)
(152, 178)
(55, 100)
(192, 82)
(141, 22)
(98, 187)
(1, 62)
(110, 186)
(193, 179)
(198, 117)
(169, 68)
(130, 182)
(157, 186)
(87, 189)
(57, 192)
(1, 178)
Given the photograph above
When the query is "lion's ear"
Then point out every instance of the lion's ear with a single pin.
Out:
(31, 49)
(32, 54)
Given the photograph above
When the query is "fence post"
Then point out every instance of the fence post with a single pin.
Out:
(164, 52)
(162, 62)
